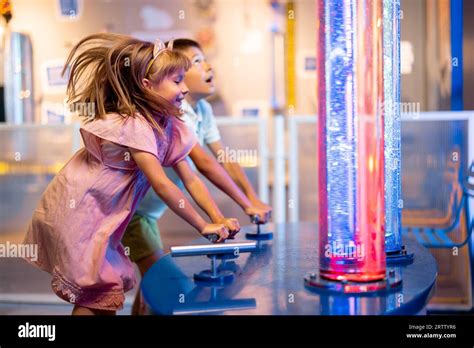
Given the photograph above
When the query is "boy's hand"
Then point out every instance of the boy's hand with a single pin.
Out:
(259, 204)
(232, 225)
(263, 213)
(218, 230)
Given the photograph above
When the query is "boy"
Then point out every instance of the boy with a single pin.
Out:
(142, 235)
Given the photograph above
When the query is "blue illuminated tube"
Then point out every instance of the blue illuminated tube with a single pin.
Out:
(392, 132)
(351, 154)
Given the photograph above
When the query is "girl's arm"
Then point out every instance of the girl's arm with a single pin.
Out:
(210, 168)
(201, 196)
(172, 195)
(238, 175)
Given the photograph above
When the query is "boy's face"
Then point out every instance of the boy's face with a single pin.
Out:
(199, 78)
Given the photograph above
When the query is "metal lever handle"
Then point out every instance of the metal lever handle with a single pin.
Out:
(213, 249)
(255, 219)
(212, 237)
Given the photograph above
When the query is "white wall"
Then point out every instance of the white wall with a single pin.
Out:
(238, 75)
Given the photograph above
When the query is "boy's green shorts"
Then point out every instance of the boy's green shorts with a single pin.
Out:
(142, 237)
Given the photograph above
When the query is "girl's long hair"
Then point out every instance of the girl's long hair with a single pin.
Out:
(107, 70)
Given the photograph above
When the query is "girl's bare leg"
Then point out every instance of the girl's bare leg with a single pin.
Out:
(139, 307)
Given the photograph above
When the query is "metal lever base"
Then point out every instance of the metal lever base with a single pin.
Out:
(401, 257)
(258, 235)
(207, 276)
(315, 282)
(214, 276)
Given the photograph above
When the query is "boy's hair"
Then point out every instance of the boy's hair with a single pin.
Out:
(184, 44)
(109, 70)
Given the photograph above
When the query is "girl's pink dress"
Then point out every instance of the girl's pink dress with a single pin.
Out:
(82, 215)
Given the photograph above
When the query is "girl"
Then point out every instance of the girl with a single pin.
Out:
(142, 235)
(134, 86)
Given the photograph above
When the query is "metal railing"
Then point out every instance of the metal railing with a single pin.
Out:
(263, 153)
(293, 148)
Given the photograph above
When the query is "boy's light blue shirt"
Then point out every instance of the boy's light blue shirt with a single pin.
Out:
(202, 122)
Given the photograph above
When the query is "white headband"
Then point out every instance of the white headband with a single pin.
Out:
(157, 49)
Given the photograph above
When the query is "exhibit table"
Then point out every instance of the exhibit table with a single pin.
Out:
(270, 280)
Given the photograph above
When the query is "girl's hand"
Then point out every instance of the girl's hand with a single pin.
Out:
(232, 226)
(263, 213)
(215, 229)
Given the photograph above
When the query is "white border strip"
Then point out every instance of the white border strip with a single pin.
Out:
(263, 170)
(293, 162)
(279, 182)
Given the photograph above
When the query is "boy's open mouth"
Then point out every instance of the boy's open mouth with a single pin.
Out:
(209, 79)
